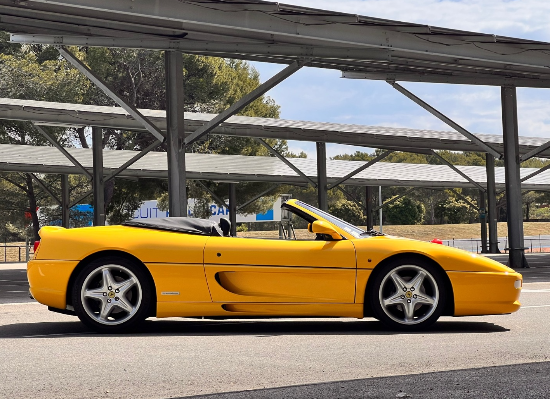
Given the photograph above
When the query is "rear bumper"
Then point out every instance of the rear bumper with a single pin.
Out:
(48, 281)
(484, 293)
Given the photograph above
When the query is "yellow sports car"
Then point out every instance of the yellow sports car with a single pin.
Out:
(114, 277)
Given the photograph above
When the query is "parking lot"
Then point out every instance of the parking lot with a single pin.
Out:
(49, 355)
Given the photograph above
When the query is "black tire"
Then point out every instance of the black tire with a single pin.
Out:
(112, 294)
(397, 303)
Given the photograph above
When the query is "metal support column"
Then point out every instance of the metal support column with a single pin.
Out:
(370, 198)
(380, 204)
(98, 179)
(492, 204)
(65, 201)
(483, 221)
(322, 176)
(177, 194)
(512, 174)
(233, 208)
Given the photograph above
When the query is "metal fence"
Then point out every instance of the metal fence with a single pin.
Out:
(533, 244)
(12, 253)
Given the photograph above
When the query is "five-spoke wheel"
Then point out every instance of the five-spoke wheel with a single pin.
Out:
(408, 295)
(111, 294)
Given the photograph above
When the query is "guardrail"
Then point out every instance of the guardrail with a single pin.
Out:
(12, 253)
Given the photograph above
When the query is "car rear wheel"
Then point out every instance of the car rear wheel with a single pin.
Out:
(112, 295)
(408, 295)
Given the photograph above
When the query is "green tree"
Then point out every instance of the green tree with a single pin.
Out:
(405, 211)
(348, 211)
(27, 75)
(456, 211)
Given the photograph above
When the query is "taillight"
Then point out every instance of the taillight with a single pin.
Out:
(36, 244)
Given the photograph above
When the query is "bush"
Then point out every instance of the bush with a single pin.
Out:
(455, 211)
(348, 211)
(404, 211)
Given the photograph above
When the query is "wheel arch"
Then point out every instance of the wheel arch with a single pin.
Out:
(449, 306)
(111, 253)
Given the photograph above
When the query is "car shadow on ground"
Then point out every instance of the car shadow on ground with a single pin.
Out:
(273, 327)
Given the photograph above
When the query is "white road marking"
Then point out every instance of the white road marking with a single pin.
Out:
(535, 290)
(21, 304)
(548, 305)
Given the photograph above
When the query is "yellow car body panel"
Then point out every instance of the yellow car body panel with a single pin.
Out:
(49, 279)
(239, 270)
(196, 275)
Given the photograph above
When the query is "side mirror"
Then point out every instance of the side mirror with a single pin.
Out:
(324, 228)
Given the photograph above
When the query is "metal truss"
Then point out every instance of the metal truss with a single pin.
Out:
(46, 189)
(285, 160)
(394, 199)
(246, 100)
(64, 151)
(481, 144)
(79, 65)
(460, 172)
(361, 168)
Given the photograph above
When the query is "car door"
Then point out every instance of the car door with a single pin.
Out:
(280, 271)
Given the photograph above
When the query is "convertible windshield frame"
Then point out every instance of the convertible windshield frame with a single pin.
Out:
(353, 230)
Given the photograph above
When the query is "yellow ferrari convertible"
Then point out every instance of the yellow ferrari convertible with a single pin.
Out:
(114, 277)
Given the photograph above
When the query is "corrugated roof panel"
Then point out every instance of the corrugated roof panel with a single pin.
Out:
(419, 52)
(255, 169)
(367, 136)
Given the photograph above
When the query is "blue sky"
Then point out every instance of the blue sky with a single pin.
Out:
(322, 95)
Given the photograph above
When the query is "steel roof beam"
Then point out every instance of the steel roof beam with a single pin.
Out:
(361, 168)
(64, 151)
(214, 195)
(448, 78)
(272, 26)
(460, 172)
(284, 159)
(204, 46)
(481, 144)
(46, 189)
(540, 171)
(387, 203)
(79, 65)
(353, 198)
(124, 166)
(258, 197)
(465, 199)
(246, 100)
(535, 152)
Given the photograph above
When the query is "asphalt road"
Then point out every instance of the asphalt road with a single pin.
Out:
(48, 355)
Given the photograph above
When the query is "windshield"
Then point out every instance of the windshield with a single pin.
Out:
(349, 228)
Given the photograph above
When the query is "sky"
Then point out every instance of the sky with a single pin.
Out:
(323, 96)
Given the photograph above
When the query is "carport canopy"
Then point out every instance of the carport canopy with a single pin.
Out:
(407, 139)
(231, 168)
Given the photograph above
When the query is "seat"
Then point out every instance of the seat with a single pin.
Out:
(225, 226)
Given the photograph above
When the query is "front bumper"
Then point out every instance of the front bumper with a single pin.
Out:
(484, 293)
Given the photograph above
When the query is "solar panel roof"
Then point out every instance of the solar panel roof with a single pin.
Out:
(231, 168)
(64, 114)
(360, 46)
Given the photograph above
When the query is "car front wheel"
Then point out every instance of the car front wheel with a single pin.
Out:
(111, 295)
(408, 295)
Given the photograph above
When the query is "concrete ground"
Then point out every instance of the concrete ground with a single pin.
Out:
(48, 355)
